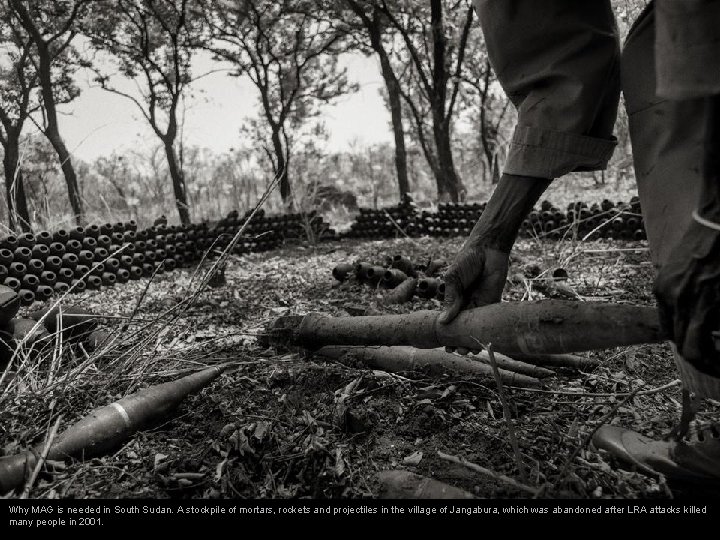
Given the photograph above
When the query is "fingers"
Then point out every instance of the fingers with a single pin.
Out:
(454, 302)
(462, 350)
(466, 270)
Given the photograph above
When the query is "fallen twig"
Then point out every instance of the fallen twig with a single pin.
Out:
(651, 391)
(487, 472)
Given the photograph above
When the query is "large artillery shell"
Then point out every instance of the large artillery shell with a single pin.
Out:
(53, 263)
(35, 266)
(404, 265)
(22, 255)
(48, 278)
(402, 293)
(27, 297)
(342, 271)
(39, 251)
(392, 278)
(433, 361)
(399, 484)
(26, 240)
(372, 274)
(30, 281)
(61, 235)
(6, 257)
(78, 285)
(92, 231)
(57, 249)
(43, 292)
(108, 427)
(427, 287)
(12, 283)
(17, 270)
(558, 360)
(122, 275)
(74, 322)
(547, 327)
(44, 237)
(10, 242)
(507, 363)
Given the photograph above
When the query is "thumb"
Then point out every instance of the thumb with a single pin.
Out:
(453, 302)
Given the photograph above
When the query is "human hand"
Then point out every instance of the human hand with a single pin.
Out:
(476, 278)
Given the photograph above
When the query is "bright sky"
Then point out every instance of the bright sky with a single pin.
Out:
(98, 122)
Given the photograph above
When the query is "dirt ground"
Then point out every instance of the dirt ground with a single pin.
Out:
(267, 427)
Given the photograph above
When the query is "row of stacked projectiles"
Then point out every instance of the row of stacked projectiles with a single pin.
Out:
(398, 273)
(619, 221)
(394, 221)
(37, 266)
(264, 233)
(452, 219)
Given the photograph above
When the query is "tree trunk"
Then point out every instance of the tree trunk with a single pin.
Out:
(18, 214)
(178, 182)
(394, 99)
(450, 187)
(52, 132)
(53, 135)
(281, 163)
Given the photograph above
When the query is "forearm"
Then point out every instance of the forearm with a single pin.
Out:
(513, 198)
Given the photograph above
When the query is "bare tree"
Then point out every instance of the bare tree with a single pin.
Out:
(291, 58)
(152, 42)
(18, 83)
(374, 25)
(52, 25)
(432, 66)
(489, 108)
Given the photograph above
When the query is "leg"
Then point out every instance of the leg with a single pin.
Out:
(667, 139)
(558, 61)
(671, 142)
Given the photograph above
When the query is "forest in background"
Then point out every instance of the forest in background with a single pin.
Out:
(450, 120)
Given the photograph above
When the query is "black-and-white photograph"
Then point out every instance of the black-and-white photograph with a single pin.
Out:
(358, 258)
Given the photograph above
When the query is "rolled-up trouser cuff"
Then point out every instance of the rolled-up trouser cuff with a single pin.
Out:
(550, 154)
(702, 384)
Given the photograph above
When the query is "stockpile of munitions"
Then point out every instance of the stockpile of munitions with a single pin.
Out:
(37, 266)
(452, 219)
(394, 221)
(265, 233)
(406, 278)
(619, 221)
